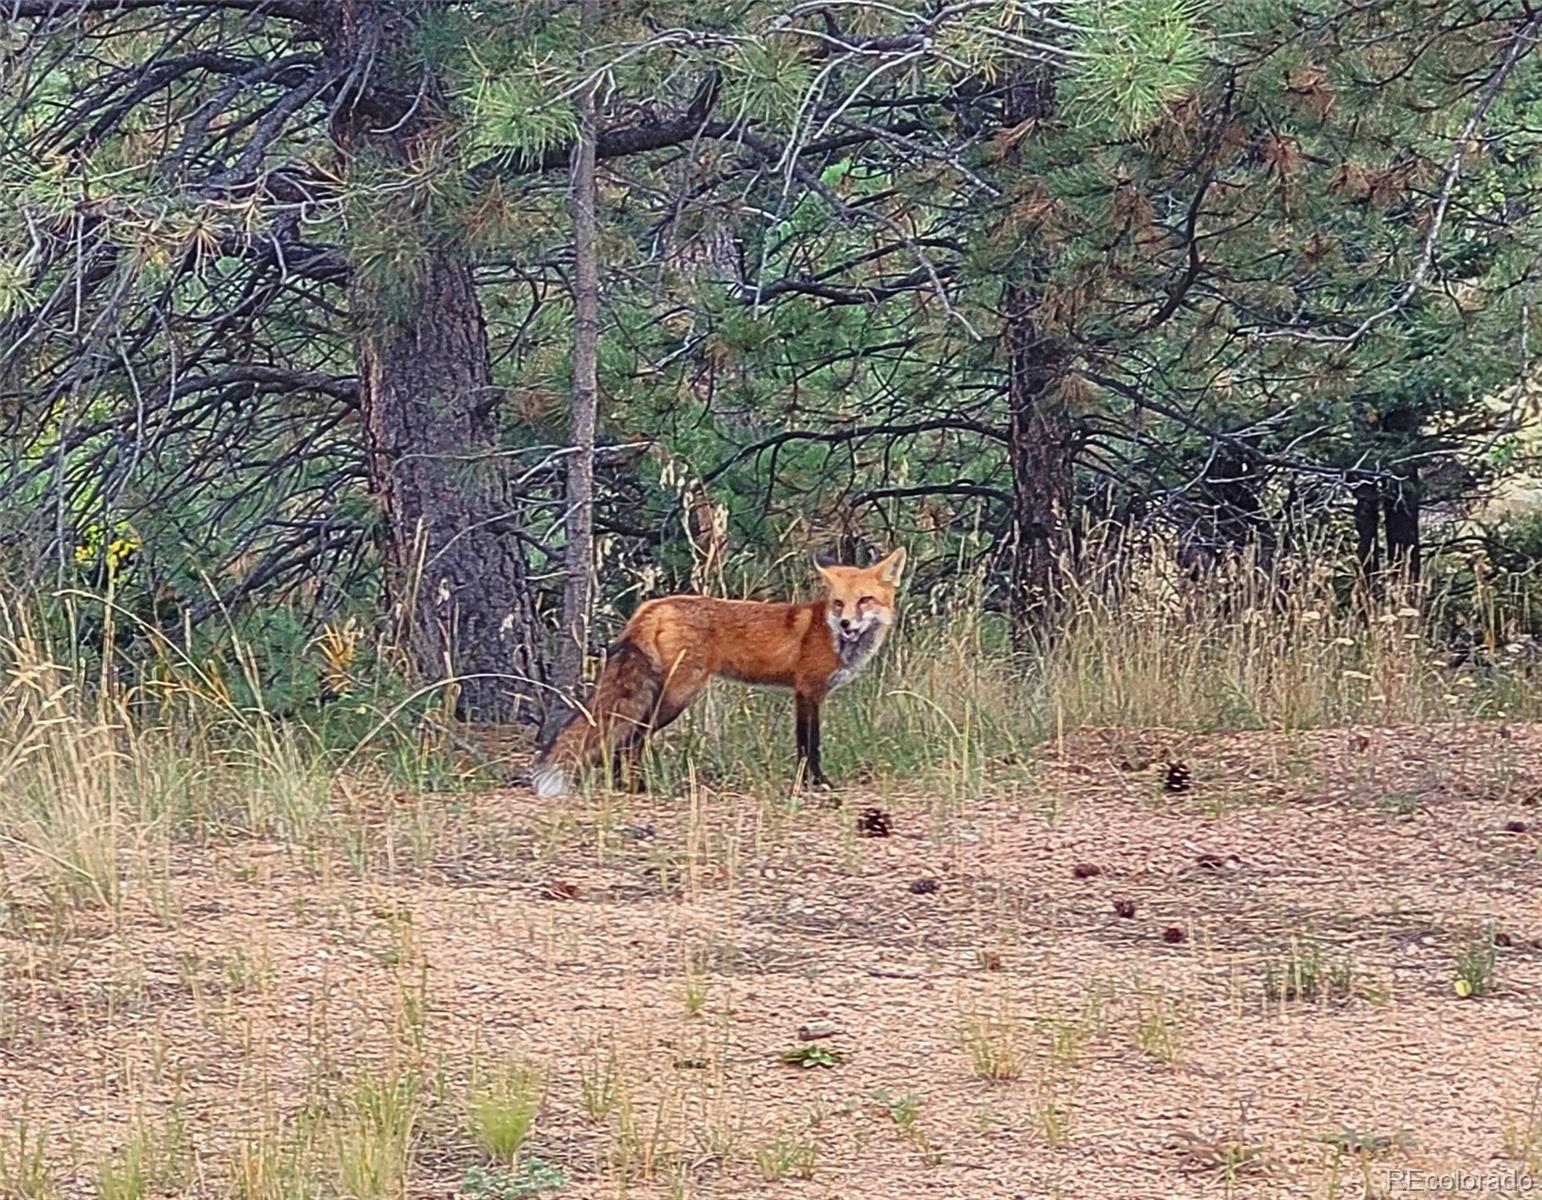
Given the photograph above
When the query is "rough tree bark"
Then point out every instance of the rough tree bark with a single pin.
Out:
(1400, 498)
(456, 572)
(1367, 495)
(1041, 438)
(578, 552)
(1040, 443)
(1390, 508)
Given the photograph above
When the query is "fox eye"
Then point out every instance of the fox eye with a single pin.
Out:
(837, 605)
(864, 602)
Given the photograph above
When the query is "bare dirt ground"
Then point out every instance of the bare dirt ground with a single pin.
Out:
(1280, 1016)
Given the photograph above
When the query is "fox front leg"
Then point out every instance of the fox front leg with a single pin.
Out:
(808, 740)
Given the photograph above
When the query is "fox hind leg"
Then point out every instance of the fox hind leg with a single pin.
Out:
(628, 770)
(625, 697)
(679, 689)
(687, 681)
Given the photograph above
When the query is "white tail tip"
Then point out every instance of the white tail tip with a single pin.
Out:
(549, 780)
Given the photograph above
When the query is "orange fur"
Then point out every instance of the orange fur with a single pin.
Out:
(672, 648)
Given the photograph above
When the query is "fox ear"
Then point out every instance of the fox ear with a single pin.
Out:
(891, 568)
(823, 560)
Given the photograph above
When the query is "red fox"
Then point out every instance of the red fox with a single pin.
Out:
(673, 646)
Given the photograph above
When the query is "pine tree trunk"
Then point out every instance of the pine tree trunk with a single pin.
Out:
(578, 551)
(455, 569)
(1040, 443)
(1040, 433)
(1368, 535)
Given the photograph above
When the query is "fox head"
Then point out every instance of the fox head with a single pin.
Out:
(860, 600)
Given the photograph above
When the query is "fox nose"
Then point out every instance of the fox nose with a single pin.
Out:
(845, 623)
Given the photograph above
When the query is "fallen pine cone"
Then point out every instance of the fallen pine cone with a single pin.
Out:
(1086, 870)
(924, 887)
(1178, 778)
(874, 822)
(1173, 934)
(1124, 908)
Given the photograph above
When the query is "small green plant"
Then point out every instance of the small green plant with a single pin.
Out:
(24, 1172)
(644, 1133)
(279, 1163)
(695, 989)
(245, 973)
(1523, 1139)
(1051, 1112)
(994, 1045)
(1475, 966)
(503, 1110)
(153, 1161)
(786, 1156)
(1304, 972)
(372, 1143)
(902, 1109)
(811, 1055)
(598, 1083)
(533, 1177)
(1239, 1158)
(905, 1111)
(1398, 804)
(1159, 1028)
(1356, 1143)
(1064, 1038)
(123, 1175)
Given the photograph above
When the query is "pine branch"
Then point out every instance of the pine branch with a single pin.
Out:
(291, 10)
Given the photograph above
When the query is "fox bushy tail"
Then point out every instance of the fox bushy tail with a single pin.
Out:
(625, 699)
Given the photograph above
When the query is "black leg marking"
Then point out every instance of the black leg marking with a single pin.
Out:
(808, 740)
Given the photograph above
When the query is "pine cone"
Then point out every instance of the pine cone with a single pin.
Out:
(874, 822)
(1178, 778)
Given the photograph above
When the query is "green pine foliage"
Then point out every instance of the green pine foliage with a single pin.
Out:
(1216, 213)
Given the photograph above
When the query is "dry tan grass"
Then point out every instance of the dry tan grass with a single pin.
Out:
(269, 1017)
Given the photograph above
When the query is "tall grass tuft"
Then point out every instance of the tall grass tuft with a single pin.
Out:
(502, 1110)
(1245, 646)
(96, 781)
(373, 1139)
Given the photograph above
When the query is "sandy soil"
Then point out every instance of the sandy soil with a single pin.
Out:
(245, 980)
